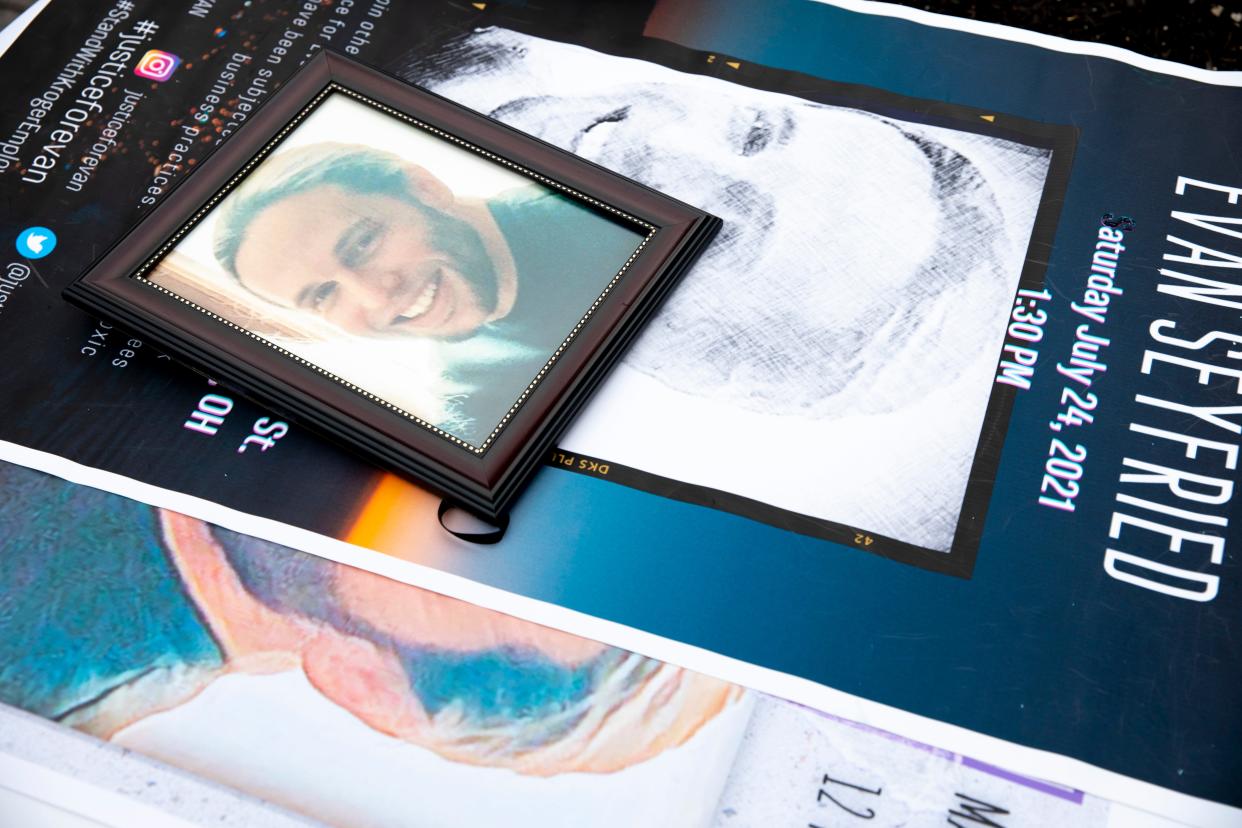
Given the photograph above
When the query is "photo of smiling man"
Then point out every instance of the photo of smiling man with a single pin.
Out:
(411, 268)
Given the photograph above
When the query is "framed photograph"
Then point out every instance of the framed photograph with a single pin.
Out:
(417, 281)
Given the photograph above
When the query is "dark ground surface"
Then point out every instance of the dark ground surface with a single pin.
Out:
(10, 9)
(1205, 33)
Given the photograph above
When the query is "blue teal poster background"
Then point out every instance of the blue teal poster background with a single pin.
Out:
(1041, 645)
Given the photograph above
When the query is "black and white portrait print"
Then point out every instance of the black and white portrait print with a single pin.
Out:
(832, 352)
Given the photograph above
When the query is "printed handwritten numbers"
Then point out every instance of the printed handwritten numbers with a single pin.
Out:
(828, 794)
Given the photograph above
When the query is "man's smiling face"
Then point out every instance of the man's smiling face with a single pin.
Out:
(371, 264)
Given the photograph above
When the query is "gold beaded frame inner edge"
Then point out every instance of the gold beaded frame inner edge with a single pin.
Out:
(270, 146)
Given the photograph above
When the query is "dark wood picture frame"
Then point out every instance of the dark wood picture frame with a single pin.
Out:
(482, 479)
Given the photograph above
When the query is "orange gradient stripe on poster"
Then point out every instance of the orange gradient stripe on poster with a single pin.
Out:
(400, 519)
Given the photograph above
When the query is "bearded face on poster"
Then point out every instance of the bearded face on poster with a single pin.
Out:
(311, 683)
(854, 301)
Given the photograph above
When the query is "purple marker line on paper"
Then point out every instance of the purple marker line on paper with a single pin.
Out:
(892, 737)
(1068, 794)
(1044, 787)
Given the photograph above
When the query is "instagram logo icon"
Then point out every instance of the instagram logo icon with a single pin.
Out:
(157, 65)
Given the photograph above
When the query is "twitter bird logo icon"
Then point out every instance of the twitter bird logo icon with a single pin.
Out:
(36, 242)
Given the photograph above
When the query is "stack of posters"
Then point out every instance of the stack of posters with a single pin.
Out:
(939, 436)
(318, 691)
